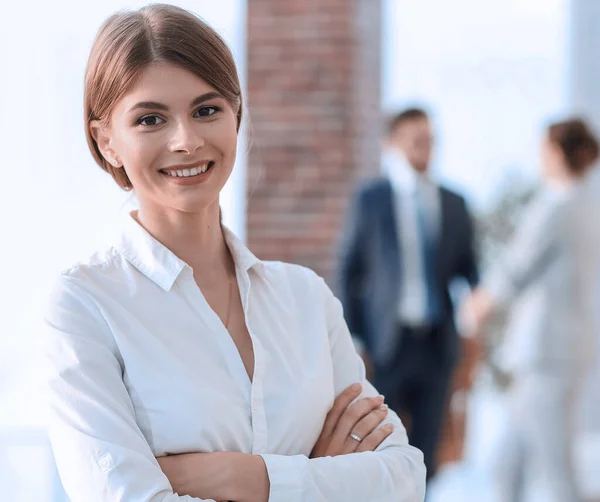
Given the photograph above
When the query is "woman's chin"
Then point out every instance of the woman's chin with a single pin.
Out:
(197, 204)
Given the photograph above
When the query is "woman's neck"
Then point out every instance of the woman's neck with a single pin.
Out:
(195, 238)
(561, 181)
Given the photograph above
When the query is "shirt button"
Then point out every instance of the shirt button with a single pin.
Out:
(105, 462)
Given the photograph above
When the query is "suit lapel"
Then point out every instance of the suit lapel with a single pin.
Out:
(444, 229)
(390, 223)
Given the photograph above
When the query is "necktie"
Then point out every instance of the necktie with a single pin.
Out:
(429, 244)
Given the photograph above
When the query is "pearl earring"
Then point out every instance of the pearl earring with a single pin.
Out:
(115, 163)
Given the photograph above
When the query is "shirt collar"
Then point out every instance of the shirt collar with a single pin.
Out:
(160, 264)
(401, 174)
(243, 258)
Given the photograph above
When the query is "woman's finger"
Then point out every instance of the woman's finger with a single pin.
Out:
(364, 427)
(350, 417)
(373, 440)
(340, 404)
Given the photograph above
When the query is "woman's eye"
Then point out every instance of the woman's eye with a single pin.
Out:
(207, 111)
(150, 120)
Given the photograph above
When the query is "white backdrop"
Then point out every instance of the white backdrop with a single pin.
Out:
(55, 202)
(492, 71)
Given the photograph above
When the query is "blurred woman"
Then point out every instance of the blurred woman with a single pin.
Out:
(547, 281)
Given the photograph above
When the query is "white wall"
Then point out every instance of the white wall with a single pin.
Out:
(493, 72)
(584, 59)
(55, 202)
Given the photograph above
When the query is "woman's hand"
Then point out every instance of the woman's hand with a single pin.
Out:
(360, 419)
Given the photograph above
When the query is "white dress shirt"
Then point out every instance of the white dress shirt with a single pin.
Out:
(409, 186)
(139, 366)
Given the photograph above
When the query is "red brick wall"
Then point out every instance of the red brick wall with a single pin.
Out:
(314, 101)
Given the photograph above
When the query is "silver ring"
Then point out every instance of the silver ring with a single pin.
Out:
(355, 437)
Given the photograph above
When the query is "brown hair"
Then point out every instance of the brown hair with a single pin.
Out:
(129, 41)
(405, 116)
(577, 143)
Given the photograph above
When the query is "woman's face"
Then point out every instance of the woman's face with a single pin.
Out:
(176, 138)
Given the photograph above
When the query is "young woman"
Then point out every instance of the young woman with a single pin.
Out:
(180, 366)
(549, 280)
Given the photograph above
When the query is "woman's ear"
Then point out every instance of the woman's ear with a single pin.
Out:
(101, 135)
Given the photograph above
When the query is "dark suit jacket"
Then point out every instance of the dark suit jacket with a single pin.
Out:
(370, 268)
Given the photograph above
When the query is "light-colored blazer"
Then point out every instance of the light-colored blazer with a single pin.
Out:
(550, 279)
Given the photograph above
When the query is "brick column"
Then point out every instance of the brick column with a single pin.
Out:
(314, 101)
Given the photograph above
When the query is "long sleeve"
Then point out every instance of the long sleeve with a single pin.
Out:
(393, 473)
(101, 453)
(352, 266)
(534, 247)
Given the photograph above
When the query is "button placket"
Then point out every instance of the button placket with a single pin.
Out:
(257, 409)
(259, 422)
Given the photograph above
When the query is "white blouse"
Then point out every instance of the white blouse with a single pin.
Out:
(139, 366)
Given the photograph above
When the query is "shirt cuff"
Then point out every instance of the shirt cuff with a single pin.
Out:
(359, 345)
(286, 476)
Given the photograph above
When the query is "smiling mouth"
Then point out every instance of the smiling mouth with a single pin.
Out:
(188, 173)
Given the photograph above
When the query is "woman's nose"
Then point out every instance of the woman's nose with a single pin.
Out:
(186, 139)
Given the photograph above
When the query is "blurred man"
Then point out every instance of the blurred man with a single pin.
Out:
(406, 240)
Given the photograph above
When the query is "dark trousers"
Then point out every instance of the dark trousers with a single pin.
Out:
(416, 384)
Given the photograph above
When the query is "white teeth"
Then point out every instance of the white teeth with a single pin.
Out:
(185, 173)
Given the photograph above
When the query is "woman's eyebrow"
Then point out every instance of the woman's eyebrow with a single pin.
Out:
(154, 105)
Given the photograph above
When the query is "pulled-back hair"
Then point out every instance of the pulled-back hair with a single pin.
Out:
(577, 143)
